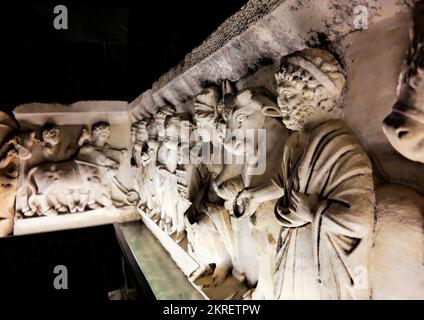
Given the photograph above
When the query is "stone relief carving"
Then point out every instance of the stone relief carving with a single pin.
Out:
(300, 226)
(247, 190)
(273, 192)
(50, 141)
(327, 211)
(207, 223)
(145, 145)
(404, 126)
(75, 185)
(399, 207)
(8, 173)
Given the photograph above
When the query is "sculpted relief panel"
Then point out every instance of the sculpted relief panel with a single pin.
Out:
(76, 185)
(283, 204)
(258, 190)
(54, 172)
(9, 162)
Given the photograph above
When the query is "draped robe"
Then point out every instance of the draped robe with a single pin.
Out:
(327, 258)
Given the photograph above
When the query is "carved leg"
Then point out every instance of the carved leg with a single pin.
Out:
(56, 204)
(33, 205)
(181, 235)
(101, 197)
(221, 272)
(265, 233)
(83, 199)
(45, 208)
(96, 198)
(168, 226)
(182, 207)
(162, 223)
(70, 201)
(29, 209)
(155, 216)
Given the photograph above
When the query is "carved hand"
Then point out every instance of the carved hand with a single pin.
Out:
(303, 205)
(124, 152)
(85, 134)
(218, 189)
(243, 205)
(12, 153)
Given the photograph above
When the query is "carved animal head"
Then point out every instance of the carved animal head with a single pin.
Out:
(309, 84)
(404, 126)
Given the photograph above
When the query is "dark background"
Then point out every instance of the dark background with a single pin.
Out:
(113, 50)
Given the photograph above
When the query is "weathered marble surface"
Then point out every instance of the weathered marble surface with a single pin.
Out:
(258, 163)
(77, 172)
(241, 216)
(259, 35)
(8, 174)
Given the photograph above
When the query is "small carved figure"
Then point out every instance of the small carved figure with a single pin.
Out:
(50, 140)
(248, 188)
(10, 153)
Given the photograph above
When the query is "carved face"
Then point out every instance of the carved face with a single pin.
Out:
(51, 135)
(172, 136)
(204, 105)
(149, 155)
(309, 84)
(100, 134)
(246, 117)
(205, 131)
(160, 118)
(139, 132)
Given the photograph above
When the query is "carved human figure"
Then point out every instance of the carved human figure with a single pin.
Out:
(207, 222)
(404, 126)
(176, 177)
(8, 174)
(327, 210)
(247, 186)
(97, 153)
(178, 137)
(166, 163)
(145, 147)
(50, 140)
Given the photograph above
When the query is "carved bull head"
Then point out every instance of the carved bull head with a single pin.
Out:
(404, 126)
